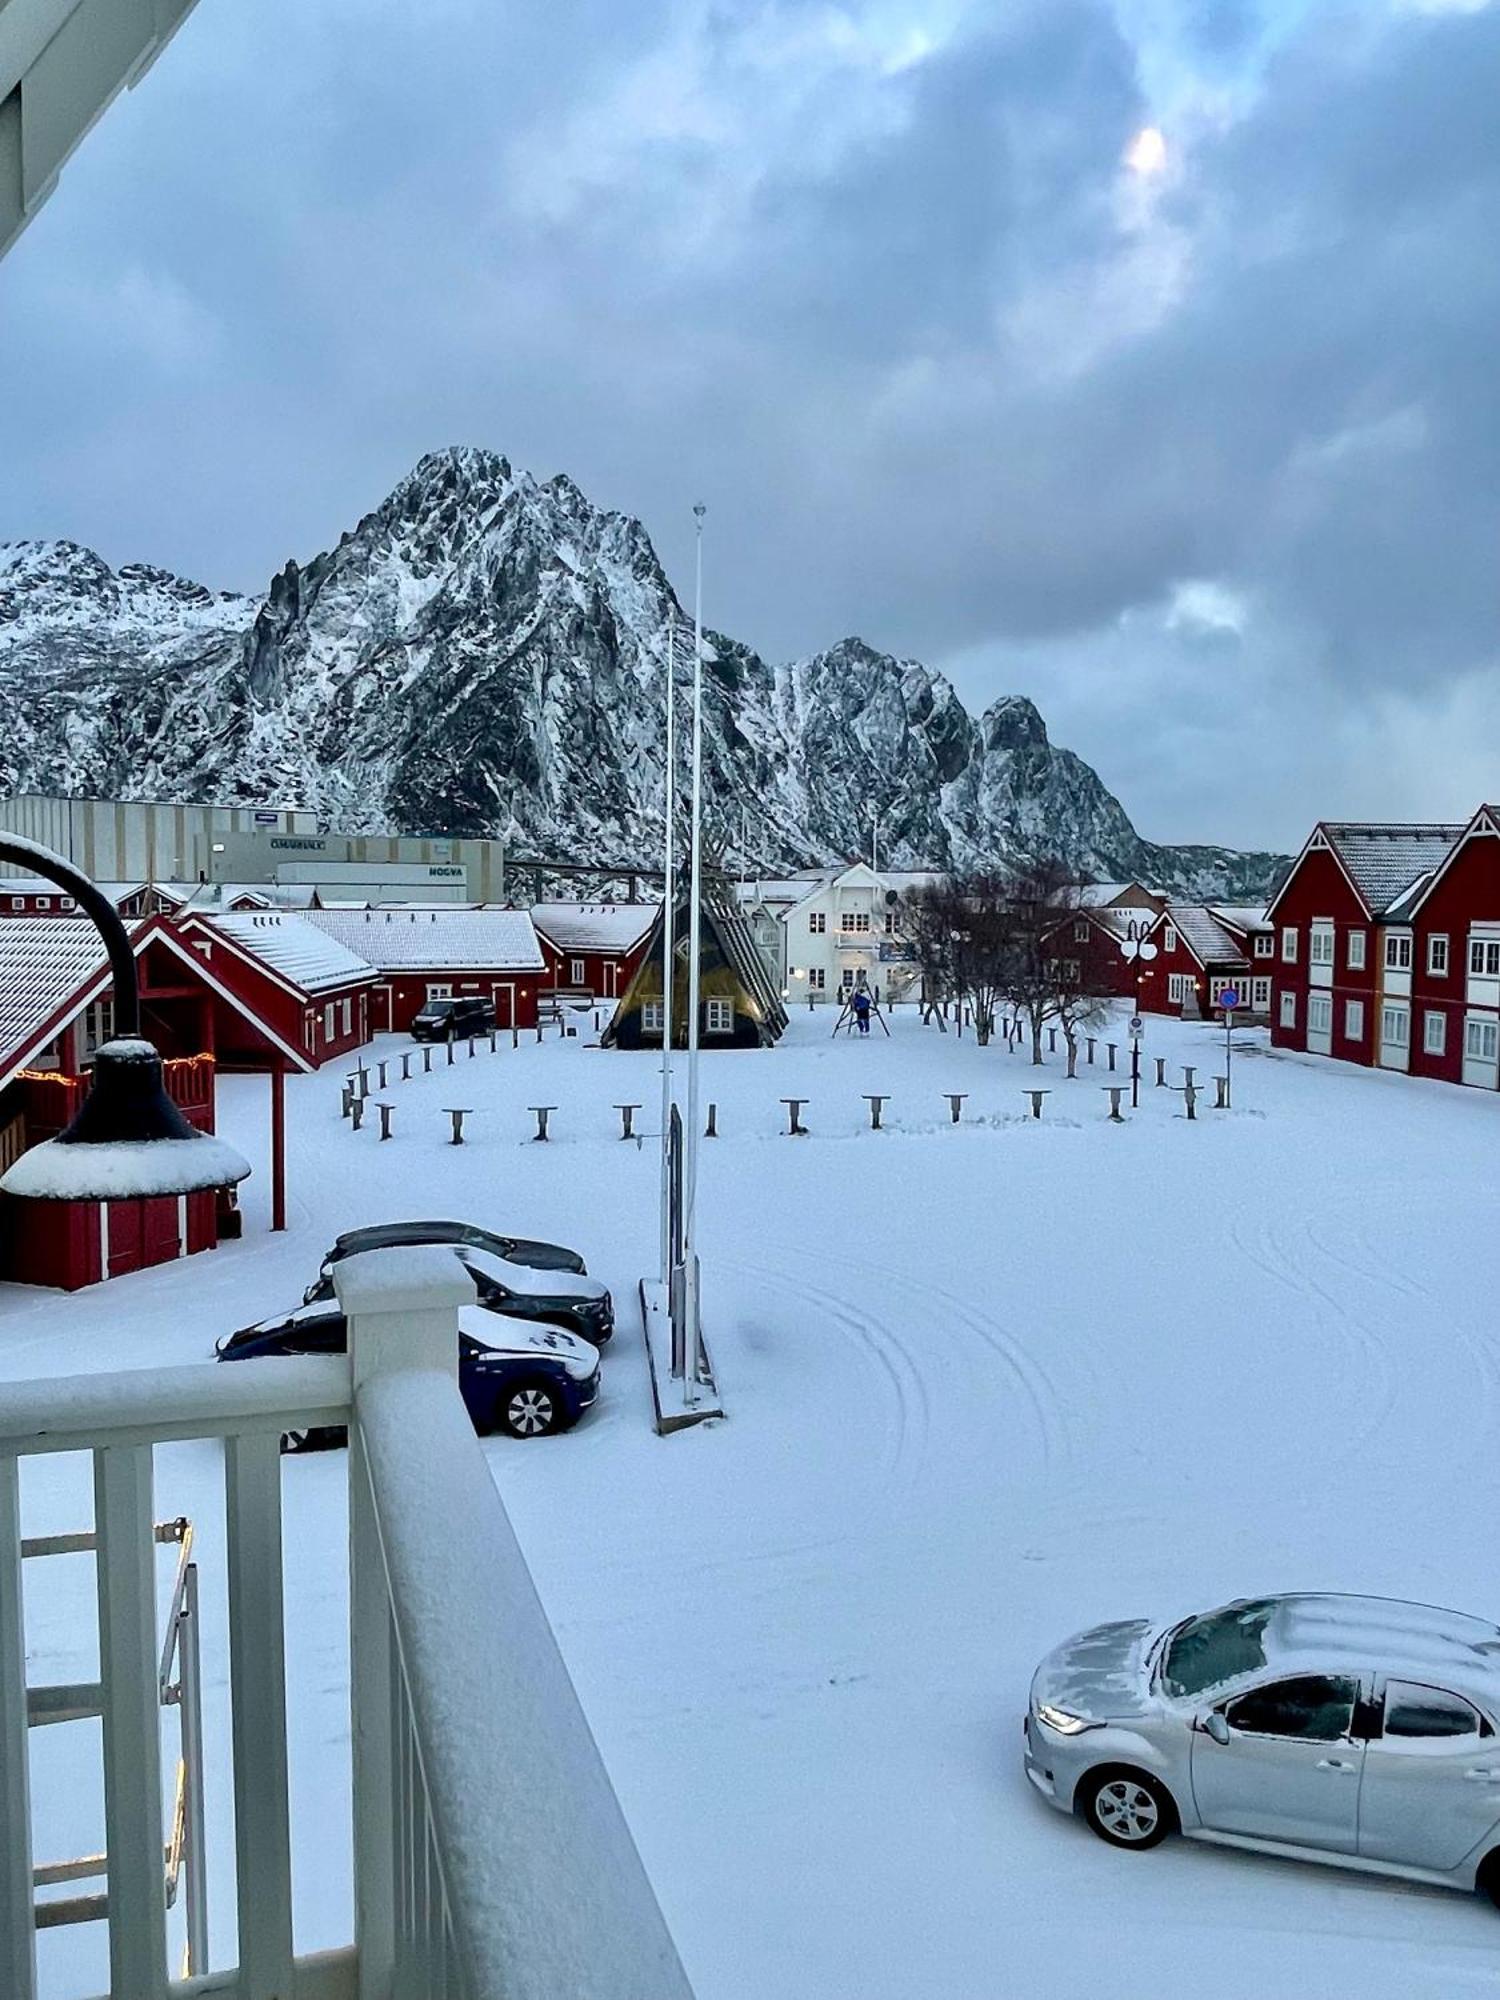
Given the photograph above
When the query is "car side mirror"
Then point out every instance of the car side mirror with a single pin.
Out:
(1214, 1725)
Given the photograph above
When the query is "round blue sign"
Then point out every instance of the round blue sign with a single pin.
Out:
(1229, 999)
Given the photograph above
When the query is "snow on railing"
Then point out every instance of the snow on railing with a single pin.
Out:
(492, 1860)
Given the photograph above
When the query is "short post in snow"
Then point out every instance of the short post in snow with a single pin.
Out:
(406, 1065)
(875, 1104)
(357, 1113)
(385, 1111)
(427, 1059)
(1189, 1075)
(1052, 1041)
(364, 1080)
(539, 1029)
(1091, 1040)
(711, 1129)
(471, 1048)
(627, 1119)
(955, 1103)
(1114, 1091)
(1036, 1097)
(492, 1041)
(515, 1036)
(1190, 1099)
(794, 1126)
(449, 1046)
(1161, 1073)
(458, 1113)
(1221, 1100)
(346, 1100)
(381, 1069)
(542, 1112)
(1109, 1050)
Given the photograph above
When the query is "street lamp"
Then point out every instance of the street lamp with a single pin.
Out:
(127, 1139)
(695, 951)
(1138, 951)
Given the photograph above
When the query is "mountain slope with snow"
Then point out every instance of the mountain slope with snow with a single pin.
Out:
(485, 653)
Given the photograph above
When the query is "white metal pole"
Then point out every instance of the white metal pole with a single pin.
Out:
(669, 897)
(695, 946)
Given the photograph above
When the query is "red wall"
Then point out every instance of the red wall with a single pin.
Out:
(58, 1242)
(606, 974)
(1318, 887)
(296, 1017)
(401, 995)
(1468, 893)
(1168, 960)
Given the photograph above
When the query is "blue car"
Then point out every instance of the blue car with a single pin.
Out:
(514, 1375)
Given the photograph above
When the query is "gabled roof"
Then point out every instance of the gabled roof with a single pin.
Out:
(49, 968)
(292, 946)
(1240, 917)
(1485, 821)
(1383, 861)
(1205, 937)
(594, 926)
(437, 938)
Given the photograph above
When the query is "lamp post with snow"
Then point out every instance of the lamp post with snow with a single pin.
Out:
(668, 911)
(692, 1344)
(127, 1139)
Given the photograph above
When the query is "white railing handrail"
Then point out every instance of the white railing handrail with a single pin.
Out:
(546, 1890)
(161, 1405)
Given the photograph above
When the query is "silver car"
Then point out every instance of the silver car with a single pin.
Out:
(1359, 1731)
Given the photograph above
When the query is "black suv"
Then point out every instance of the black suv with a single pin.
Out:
(451, 1020)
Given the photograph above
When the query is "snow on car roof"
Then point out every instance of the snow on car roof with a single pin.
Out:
(526, 1279)
(292, 946)
(1328, 1630)
(594, 926)
(436, 937)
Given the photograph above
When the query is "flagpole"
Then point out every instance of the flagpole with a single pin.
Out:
(669, 901)
(695, 946)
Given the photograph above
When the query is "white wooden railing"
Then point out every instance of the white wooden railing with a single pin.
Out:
(492, 1860)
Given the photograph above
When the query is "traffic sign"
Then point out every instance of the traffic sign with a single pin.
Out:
(1229, 999)
(1137, 1026)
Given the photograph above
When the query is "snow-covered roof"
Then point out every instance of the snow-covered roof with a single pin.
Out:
(772, 889)
(1243, 916)
(594, 926)
(294, 946)
(1203, 934)
(44, 963)
(435, 937)
(1385, 861)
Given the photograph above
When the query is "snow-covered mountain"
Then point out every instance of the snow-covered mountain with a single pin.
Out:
(485, 654)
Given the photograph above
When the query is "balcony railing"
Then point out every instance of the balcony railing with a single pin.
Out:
(489, 1864)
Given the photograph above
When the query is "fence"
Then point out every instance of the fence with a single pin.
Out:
(491, 1863)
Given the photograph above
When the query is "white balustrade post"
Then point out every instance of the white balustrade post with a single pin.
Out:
(17, 1929)
(402, 1311)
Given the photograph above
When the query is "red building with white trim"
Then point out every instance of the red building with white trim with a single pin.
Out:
(1201, 949)
(592, 949)
(441, 951)
(318, 995)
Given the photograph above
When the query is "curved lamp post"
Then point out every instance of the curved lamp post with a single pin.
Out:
(127, 1139)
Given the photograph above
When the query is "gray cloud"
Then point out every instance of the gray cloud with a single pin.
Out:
(945, 374)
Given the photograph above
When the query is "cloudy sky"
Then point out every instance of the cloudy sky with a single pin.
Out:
(1194, 438)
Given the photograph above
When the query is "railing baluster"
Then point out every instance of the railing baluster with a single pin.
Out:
(257, 1680)
(372, 1712)
(190, 1680)
(17, 1931)
(125, 1523)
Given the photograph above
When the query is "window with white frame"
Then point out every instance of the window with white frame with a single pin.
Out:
(653, 1016)
(1265, 944)
(1071, 971)
(1288, 1010)
(1320, 944)
(1354, 1020)
(1320, 1014)
(1081, 931)
(1260, 994)
(1481, 1040)
(1484, 958)
(1434, 1032)
(1288, 944)
(576, 971)
(854, 920)
(1395, 1026)
(1356, 951)
(442, 990)
(1179, 986)
(98, 1026)
(1216, 986)
(1437, 955)
(718, 1017)
(817, 978)
(1398, 951)
(328, 1022)
(18, 902)
(890, 923)
(817, 922)
(1169, 939)
(347, 1012)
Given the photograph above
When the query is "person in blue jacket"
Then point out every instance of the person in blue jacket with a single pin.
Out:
(861, 1001)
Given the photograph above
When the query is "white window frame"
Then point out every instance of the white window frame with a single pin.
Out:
(577, 971)
(347, 1009)
(1179, 985)
(1169, 939)
(1288, 1015)
(1289, 944)
(817, 978)
(1320, 1013)
(98, 1026)
(1434, 1032)
(1320, 943)
(328, 1021)
(653, 1016)
(1356, 954)
(1081, 931)
(1480, 1031)
(1354, 1020)
(1438, 950)
(817, 922)
(1402, 1016)
(718, 1017)
(441, 989)
(1484, 957)
(1398, 951)
(1260, 993)
(1265, 945)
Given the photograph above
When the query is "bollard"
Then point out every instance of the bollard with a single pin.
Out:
(385, 1111)
(357, 1112)
(449, 1046)
(427, 1059)
(539, 1031)
(627, 1119)
(1161, 1073)
(492, 1041)
(1221, 1085)
(1116, 1091)
(955, 1102)
(471, 1048)
(380, 1066)
(364, 1080)
(406, 1066)
(351, 1085)
(795, 1127)
(458, 1113)
(1109, 1050)
(1052, 1041)
(809, 1008)
(1189, 1075)
(1190, 1099)
(1036, 1097)
(515, 1036)
(541, 1111)
(875, 1104)
(347, 1100)
(711, 1129)
(1091, 1039)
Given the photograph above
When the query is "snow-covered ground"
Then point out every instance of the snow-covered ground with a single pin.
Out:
(986, 1385)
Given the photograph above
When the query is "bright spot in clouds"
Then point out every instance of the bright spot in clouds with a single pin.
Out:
(1147, 151)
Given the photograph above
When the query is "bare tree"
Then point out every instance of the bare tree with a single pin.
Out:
(958, 930)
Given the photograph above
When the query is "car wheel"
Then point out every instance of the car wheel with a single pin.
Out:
(1488, 1879)
(1127, 1808)
(530, 1410)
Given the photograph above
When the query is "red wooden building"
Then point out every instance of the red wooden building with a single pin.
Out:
(440, 951)
(1201, 949)
(318, 994)
(1388, 948)
(56, 1006)
(592, 949)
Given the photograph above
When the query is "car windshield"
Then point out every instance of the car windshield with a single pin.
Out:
(1217, 1647)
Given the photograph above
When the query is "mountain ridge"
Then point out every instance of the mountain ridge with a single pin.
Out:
(484, 652)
